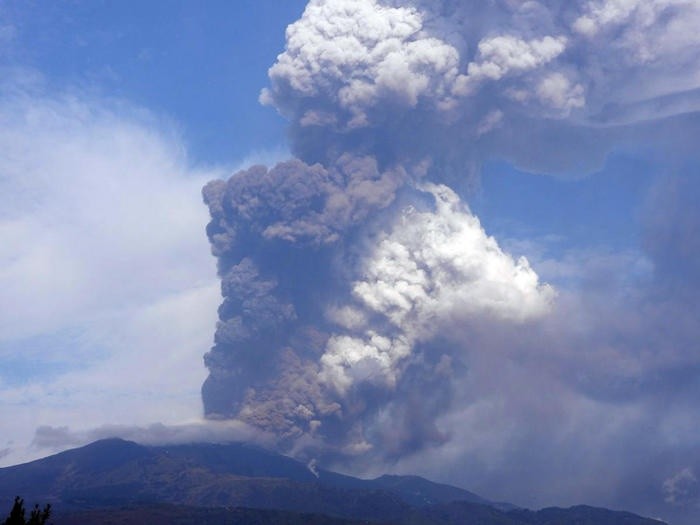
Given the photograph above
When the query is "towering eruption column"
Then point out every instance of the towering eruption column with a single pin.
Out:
(345, 271)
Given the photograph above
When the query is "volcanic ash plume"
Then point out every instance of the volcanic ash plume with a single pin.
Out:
(369, 322)
(336, 283)
(350, 274)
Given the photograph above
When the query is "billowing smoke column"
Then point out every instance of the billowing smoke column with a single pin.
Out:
(346, 272)
(336, 282)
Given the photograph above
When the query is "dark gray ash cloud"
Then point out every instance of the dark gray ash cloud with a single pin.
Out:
(335, 280)
(369, 321)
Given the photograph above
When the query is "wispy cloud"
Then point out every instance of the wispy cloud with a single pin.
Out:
(108, 287)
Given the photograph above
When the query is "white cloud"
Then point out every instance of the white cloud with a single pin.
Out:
(50, 438)
(648, 49)
(94, 209)
(681, 488)
(107, 287)
(346, 63)
(503, 54)
(556, 91)
(358, 54)
(437, 65)
(490, 122)
(136, 367)
(645, 28)
(431, 269)
(604, 13)
(443, 261)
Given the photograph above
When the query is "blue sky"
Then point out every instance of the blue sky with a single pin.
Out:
(602, 209)
(201, 65)
(566, 130)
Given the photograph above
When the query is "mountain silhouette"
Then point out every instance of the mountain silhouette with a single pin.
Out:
(117, 481)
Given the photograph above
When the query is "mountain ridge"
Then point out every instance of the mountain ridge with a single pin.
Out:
(108, 475)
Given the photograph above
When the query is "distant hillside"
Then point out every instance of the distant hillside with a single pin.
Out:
(115, 481)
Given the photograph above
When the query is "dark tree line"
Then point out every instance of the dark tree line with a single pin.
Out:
(36, 517)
